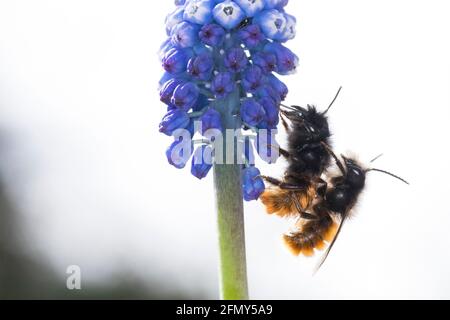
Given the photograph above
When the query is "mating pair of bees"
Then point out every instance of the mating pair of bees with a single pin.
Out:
(319, 200)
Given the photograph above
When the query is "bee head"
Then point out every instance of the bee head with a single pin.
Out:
(355, 174)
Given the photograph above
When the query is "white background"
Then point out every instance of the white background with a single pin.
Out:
(78, 102)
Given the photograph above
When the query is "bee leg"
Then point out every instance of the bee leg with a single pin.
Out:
(285, 123)
(282, 151)
(282, 185)
(303, 214)
(308, 216)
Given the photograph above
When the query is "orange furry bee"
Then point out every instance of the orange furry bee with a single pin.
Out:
(320, 203)
(308, 156)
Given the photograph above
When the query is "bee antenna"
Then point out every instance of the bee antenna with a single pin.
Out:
(376, 158)
(388, 173)
(332, 102)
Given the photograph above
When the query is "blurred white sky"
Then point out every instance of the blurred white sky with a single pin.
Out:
(78, 100)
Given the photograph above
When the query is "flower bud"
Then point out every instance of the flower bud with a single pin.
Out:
(201, 162)
(167, 89)
(290, 29)
(252, 184)
(287, 61)
(185, 96)
(251, 7)
(212, 35)
(211, 119)
(173, 120)
(175, 61)
(278, 86)
(252, 113)
(272, 23)
(179, 152)
(272, 117)
(173, 19)
(223, 84)
(251, 36)
(266, 61)
(201, 67)
(198, 12)
(235, 60)
(184, 35)
(228, 14)
(252, 79)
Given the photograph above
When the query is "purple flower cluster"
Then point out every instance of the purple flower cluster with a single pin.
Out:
(220, 61)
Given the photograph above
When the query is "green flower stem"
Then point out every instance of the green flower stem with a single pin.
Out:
(230, 218)
(230, 212)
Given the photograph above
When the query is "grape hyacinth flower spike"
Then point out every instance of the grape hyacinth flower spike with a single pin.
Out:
(220, 60)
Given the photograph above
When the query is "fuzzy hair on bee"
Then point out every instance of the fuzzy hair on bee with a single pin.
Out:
(307, 157)
(319, 199)
(286, 203)
(311, 235)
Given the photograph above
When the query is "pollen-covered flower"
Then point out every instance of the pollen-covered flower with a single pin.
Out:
(252, 183)
(219, 60)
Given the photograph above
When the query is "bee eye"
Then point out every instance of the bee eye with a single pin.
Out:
(356, 172)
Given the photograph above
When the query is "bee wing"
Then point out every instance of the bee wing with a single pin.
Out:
(325, 255)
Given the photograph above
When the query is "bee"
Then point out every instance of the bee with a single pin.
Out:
(307, 156)
(336, 204)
